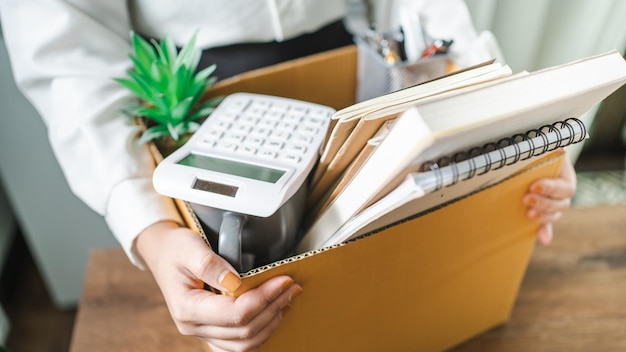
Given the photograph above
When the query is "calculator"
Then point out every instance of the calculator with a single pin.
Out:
(249, 156)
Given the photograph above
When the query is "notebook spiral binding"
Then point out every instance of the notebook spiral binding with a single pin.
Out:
(464, 165)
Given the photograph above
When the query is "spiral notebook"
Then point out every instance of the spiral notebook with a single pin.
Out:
(460, 174)
(465, 118)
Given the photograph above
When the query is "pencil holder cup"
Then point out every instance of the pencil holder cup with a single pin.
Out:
(377, 77)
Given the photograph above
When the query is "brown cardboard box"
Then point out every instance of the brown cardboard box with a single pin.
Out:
(424, 284)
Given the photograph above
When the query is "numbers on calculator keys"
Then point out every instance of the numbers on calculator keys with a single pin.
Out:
(265, 127)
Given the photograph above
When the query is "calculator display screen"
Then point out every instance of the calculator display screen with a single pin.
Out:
(235, 168)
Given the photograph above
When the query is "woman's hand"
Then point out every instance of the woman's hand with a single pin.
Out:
(181, 263)
(548, 198)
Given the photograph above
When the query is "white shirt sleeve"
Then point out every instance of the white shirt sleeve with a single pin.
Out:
(65, 54)
(64, 57)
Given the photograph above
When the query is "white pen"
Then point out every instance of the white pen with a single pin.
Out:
(411, 26)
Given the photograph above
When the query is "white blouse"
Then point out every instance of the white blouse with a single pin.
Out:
(64, 54)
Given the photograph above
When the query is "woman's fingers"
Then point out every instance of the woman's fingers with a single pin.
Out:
(548, 198)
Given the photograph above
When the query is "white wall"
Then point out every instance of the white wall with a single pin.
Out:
(535, 34)
(58, 228)
(7, 234)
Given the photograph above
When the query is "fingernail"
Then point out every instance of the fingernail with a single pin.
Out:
(530, 201)
(230, 281)
(286, 285)
(536, 188)
(294, 294)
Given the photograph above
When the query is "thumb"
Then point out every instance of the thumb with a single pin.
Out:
(211, 268)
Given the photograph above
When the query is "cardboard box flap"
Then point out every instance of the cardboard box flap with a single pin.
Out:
(449, 276)
(327, 78)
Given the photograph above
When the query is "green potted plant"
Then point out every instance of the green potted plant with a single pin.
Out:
(169, 90)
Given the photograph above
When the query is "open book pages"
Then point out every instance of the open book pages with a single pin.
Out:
(342, 144)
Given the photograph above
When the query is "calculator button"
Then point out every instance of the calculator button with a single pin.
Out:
(262, 132)
(254, 112)
(234, 137)
(229, 116)
(248, 150)
(298, 110)
(314, 121)
(286, 126)
(238, 104)
(274, 144)
(292, 118)
(268, 154)
(282, 107)
(253, 141)
(248, 119)
(302, 138)
(260, 104)
(282, 135)
(274, 115)
(226, 146)
(206, 143)
(213, 134)
(290, 158)
(307, 130)
(267, 123)
(297, 149)
(222, 125)
(243, 128)
(323, 114)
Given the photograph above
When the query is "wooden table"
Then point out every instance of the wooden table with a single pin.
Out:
(573, 297)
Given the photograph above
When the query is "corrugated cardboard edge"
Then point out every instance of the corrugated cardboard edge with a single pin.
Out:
(541, 160)
(361, 296)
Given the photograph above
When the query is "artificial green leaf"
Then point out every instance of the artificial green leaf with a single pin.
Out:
(157, 75)
(144, 51)
(167, 83)
(161, 75)
(201, 112)
(182, 81)
(190, 127)
(173, 131)
(215, 101)
(204, 74)
(153, 133)
(139, 67)
(161, 55)
(145, 85)
(205, 109)
(192, 65)
(134, 87)
(169, 48)
(160, 102)
(196, 91)
(185, 55)
(180, 111)
(151, 113)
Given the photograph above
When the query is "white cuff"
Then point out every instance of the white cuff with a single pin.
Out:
(133, 206)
